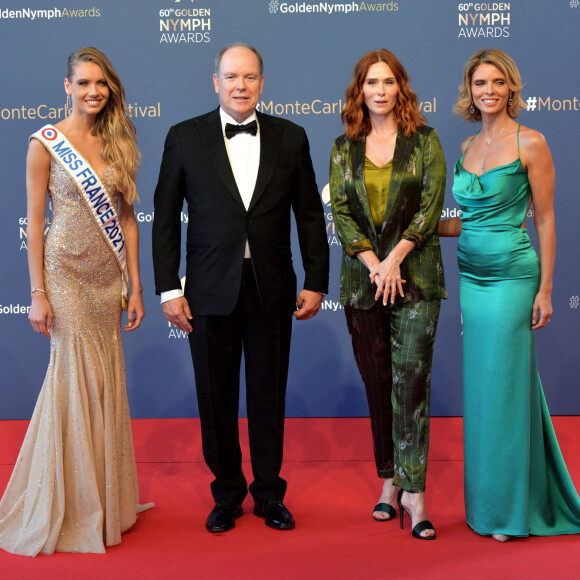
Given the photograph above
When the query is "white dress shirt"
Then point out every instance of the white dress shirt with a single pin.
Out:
(244, 154)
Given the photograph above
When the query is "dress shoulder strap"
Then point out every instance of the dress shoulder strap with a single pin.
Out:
(468, 146)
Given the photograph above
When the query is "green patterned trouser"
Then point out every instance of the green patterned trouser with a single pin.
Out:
(393, 348)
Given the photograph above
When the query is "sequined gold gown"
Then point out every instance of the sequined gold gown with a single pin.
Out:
(74, 486)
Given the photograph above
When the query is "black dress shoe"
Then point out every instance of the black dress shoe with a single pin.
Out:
(276, 514)
(221, 518)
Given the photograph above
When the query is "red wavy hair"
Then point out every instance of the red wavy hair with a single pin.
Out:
(355, 115)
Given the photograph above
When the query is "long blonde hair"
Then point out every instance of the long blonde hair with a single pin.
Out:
(113, 126)
(502, 61)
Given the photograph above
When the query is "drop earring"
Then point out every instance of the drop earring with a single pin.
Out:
(68, 105)
(510, 100)
(472, 108)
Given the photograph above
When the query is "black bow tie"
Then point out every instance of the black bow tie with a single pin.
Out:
(231, 130)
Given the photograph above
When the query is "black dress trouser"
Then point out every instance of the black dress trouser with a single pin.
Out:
(216, 346)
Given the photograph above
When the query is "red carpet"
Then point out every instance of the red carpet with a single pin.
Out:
(332, 488)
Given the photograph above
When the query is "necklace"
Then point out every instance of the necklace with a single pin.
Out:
(489, 141)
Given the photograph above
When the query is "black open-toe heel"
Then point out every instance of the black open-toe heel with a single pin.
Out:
(424, 525)
(388, 509)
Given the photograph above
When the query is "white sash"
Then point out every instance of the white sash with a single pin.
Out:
(93, 192)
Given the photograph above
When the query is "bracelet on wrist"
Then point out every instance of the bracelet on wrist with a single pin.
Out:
(33, 290)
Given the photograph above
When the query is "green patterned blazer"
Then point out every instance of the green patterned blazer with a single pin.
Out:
(414, 204)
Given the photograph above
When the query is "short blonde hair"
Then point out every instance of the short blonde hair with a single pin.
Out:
(507, 66)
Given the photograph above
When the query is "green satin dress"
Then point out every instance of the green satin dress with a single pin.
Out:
(516, 481)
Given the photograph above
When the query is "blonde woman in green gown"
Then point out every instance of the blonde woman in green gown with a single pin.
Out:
(516, 481)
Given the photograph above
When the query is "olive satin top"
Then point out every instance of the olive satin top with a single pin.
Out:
(377, 181)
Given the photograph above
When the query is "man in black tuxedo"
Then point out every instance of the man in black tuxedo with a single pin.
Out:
(241, 173)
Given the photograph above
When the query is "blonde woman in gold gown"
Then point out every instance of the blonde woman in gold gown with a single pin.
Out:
(74, 487)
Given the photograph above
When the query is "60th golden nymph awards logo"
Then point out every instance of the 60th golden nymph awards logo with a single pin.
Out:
(184, 22)
(484, 19)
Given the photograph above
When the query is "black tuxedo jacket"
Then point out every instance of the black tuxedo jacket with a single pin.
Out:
(196, 168)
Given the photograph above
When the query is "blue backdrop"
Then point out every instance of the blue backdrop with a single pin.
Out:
(164, 52)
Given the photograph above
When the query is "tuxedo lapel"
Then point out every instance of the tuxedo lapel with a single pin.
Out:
(212, 136)
(403, 150)
(269, 152)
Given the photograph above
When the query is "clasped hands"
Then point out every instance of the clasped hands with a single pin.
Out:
(387, 276)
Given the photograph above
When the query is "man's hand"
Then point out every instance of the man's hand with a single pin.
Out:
(308, 304)
(177, 312)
